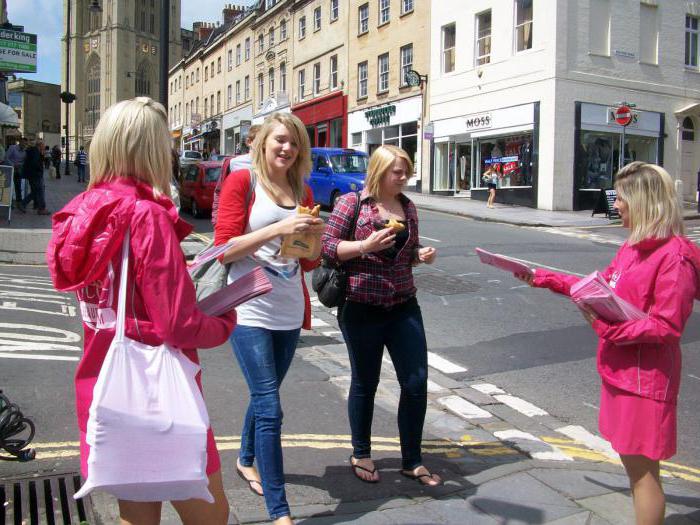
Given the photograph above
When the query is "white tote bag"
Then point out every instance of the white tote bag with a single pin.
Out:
(147, 425)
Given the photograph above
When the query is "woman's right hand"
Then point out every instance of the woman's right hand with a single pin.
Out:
(299, 224)
(379, 240)
(528, 278)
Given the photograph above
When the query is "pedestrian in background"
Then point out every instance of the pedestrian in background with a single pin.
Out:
(639, 361)
(15, 158)
(33, 171)
(56, 160)
(81, 160)
(240, 162)
(129, 192)
(381, 307)
(265, 340)
(490, 177)
(46, 155)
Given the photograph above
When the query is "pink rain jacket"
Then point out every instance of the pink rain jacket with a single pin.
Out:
(87, 237)
(661, 277)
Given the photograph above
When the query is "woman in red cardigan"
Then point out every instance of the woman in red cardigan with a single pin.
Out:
(258, 209)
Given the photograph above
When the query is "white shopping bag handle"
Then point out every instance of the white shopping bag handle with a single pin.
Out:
(121, 300)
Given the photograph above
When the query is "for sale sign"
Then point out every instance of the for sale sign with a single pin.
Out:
(17, 52)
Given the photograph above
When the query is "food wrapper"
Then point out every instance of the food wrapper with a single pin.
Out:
(394, 225)
(304, 244)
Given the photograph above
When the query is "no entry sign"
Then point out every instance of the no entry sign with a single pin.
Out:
(623, 115)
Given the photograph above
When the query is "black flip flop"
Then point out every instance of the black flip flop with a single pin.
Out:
(418, 477)
(250, 482)
(354, 471)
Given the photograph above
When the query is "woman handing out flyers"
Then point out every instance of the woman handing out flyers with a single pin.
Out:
(639, 360)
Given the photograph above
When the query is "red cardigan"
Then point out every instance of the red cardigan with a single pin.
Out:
(233, 219)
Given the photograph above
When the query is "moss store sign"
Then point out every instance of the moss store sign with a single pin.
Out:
(480, 121)
(380, 116)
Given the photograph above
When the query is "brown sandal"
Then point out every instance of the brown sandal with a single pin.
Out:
(250, 482)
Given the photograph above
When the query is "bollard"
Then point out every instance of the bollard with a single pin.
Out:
(679, 192)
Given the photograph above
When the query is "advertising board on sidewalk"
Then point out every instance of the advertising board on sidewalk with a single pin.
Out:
(17, 51)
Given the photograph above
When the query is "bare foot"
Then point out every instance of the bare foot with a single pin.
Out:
(423, 476)
(284, 520)
(250, 475)
(364, 469)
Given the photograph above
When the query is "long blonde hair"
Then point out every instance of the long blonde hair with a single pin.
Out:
(650, 195)
(302, 165)
(380, 163)
(132, 141)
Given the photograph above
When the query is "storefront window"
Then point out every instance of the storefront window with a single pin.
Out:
(599, 154)
(444, 166)
(337, 133)
(510, 156)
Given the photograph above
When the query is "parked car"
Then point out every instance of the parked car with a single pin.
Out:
(197, 185)
(190, 156)
(336, 171)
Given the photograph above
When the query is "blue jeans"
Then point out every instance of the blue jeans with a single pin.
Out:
(367, 330)
(36, 193)
(264, 357)
(81, 173)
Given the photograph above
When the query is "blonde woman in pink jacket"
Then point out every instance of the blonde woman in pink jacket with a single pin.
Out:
(639, 361)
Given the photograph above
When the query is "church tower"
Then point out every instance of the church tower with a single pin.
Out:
(113, 54)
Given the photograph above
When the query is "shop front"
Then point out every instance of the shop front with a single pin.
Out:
(597, 154)
(236, 125)
(192, 138)
(504, 140)
(325, 119)
(394, 123)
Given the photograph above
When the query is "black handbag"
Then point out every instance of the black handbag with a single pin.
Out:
(330, 280)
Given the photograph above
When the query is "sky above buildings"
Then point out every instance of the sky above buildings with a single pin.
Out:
(44, 18)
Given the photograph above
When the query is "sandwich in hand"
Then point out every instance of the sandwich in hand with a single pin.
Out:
(314, 212)
(394, 225)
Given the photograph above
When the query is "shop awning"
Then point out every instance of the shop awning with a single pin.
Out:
(689, 110)
(8, 117)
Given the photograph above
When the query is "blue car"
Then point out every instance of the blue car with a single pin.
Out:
(336, 171)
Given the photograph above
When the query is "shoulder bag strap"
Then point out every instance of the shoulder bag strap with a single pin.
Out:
(355, 216)
(121, 300)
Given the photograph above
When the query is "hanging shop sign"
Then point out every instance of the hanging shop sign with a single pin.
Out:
(480, 121)
(17, 52)
(380, 116)
(623, 116)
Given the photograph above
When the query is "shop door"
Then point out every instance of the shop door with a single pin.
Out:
(463, 160)
(322, 137)
(689, 158)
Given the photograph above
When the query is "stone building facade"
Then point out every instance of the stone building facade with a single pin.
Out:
(37, 105)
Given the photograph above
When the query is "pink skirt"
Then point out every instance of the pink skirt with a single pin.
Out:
(637, 425)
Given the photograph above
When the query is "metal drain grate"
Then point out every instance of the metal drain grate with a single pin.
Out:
(438, 284)
(44, 500)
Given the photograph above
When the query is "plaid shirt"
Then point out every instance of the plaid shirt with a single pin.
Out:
(375, 279)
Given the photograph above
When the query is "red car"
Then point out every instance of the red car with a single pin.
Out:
(197, 185)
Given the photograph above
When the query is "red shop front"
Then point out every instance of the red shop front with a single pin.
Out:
(325, 119)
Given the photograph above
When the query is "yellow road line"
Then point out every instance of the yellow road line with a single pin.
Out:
(200, 237)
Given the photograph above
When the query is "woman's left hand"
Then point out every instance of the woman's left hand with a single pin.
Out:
(427, 254)
(589, 315)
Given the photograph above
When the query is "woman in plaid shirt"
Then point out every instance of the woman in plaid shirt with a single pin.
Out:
(381, 308)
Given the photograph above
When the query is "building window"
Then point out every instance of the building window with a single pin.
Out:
(363, 18)
(247, 49)
(246, 88)
(218, 65)
(229, 95)
(261, 89)
(333, 81)
(599, 27)
(152, 24)
(238, 54)
(283, 30)
(688, 129)
(317, 19)
(93, 92)
(334, 10)
(283, 76)
(383, 73)
(648, 34)
(238, 92)
(271, 37)
(206, 73)
(362, 80)
(302, 27)
(449, 33)
(261, 43)
(230, 59)
(218, 101)
(691, 40)
(143, 81)
(483, 38)
(302, 83)
(384, 11)
(271, 80)
(317, 78)
(187, 112)
(196, 106)
(406, 6)
(406, 62)
(523, 25)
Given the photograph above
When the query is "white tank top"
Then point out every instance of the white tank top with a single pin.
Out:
(283, 307)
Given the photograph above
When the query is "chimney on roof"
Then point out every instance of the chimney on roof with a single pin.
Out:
(202, 30)
(231, 11)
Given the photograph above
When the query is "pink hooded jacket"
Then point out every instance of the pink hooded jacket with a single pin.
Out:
(84, 255)
(662, 277)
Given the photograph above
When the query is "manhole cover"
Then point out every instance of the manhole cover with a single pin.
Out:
(438, 284)
(44, 499)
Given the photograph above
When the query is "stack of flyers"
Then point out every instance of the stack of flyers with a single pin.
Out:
(503, 262)
(248, 286)
(209, 254)
(593, 292)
